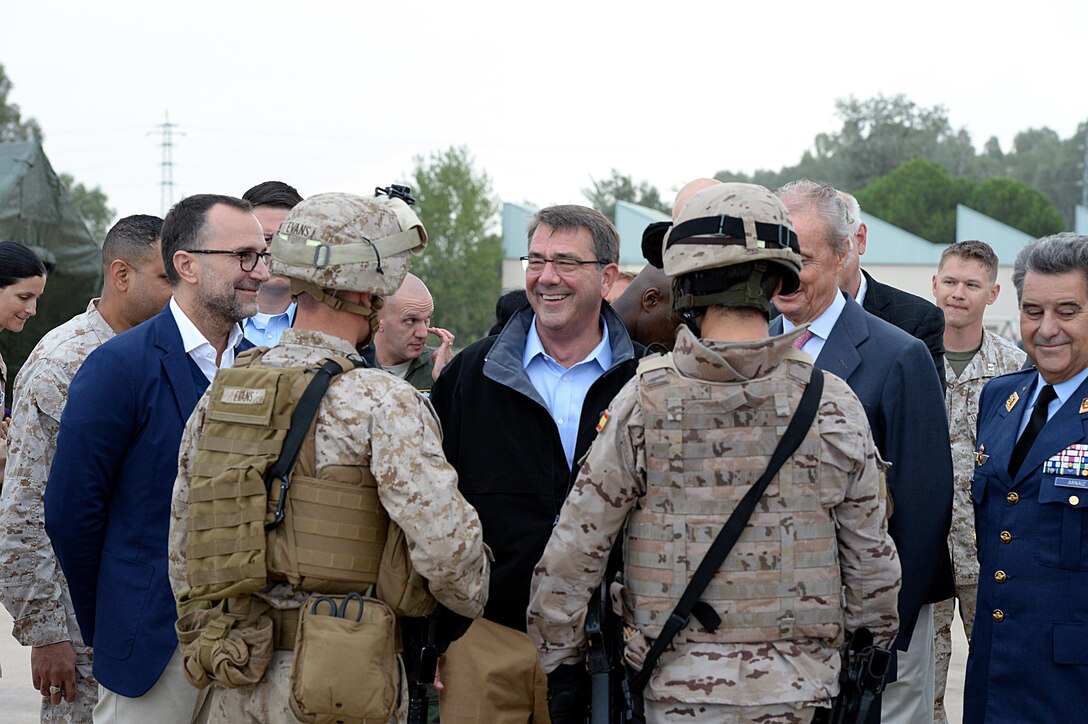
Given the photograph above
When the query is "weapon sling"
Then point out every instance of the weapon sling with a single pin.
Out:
(301, 420)
(689, 602)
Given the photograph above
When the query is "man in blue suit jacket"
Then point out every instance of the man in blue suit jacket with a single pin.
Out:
(1029, 646)
(107, 501)
(892, 373)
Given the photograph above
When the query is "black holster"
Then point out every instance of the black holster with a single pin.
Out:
(860, 682)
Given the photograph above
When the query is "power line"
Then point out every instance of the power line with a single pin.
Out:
(166, 130)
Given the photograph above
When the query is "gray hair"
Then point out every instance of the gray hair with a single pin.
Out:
(606, 240)
(853, 211)
(825, 202)
(1054, 254)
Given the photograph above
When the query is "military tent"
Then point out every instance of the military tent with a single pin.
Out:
(35, 209)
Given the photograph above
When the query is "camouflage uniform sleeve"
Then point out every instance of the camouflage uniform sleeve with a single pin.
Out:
(179, 509)
(418, 488)
(868, 560)
(30, 577)
(610, 482)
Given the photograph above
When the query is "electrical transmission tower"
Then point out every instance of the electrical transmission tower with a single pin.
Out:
(166, 131)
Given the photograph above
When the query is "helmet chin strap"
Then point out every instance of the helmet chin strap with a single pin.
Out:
(341, 305)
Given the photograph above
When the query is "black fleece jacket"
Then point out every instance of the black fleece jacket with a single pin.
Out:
(498, 434)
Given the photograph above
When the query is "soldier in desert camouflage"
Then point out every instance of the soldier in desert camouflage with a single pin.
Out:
(678, 448)
(368, 421)
(964, 285)
(31, 583)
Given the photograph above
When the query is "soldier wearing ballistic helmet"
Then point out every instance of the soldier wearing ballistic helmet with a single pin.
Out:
(370, 469)
(677, 450)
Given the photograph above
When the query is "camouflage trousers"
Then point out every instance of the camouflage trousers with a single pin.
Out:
(79, 711)
(668, 712)
(942, 644)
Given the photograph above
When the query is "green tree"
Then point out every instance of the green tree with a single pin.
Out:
(1015, 203)
(604, 194)
(13, 127)
(92, 204)
(462, 262)
(920, 196)
(1042, 159)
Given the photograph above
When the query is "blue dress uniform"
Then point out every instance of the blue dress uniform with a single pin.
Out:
(1029, 645)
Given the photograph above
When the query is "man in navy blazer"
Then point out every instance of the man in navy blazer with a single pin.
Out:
(1029, 645)
(107, 501)
(892, 374)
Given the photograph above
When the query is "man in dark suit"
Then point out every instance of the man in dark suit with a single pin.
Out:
(107, 501)
(1029, 660)
(916, 316)
(891, 374)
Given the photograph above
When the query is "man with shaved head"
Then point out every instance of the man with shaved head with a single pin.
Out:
(399, 344)
(644, 309)
(688, 190)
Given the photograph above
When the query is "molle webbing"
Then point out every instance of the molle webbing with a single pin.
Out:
(706, 445)
(333, 534)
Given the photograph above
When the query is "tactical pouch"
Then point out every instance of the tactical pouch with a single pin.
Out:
(345, 670)
(231, 648)
(398, 583)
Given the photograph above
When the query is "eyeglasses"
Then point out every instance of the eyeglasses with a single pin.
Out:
(247, 258)
(563, 266)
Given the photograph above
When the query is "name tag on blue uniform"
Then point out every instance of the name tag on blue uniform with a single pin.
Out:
(1081, 483)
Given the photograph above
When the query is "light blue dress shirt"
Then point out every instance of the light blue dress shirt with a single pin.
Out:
(820, 327)
(1063, 390)
(564, 390)
(264, 330)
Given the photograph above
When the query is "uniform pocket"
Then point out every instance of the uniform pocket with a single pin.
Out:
(1060, 523)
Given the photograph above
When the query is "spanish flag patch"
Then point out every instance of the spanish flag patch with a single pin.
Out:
(603, 421)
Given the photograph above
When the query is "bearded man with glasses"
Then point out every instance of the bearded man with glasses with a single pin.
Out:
(107, 502)
(518, 411)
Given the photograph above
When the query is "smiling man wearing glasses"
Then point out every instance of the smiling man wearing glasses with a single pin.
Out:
(107, 502)
(518, 411)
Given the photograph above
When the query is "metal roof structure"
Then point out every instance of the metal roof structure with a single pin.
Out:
(515, 224)
(1005, 240)
(631, 220)
(1080, 224)
(897, 246)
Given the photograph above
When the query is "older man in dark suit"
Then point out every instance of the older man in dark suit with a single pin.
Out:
(892, 375)
(914, 315)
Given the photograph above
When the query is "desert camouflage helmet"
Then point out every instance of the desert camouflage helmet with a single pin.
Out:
(346, 242)
(732, 223)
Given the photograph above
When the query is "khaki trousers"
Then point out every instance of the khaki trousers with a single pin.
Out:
(492, 675)
(171, 700)
(909, 699)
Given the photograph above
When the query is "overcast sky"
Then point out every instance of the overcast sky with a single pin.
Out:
(342, 96)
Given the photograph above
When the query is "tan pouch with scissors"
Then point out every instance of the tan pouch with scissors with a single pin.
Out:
(345, 669)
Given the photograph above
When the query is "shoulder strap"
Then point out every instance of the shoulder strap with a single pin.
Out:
(301, 420)
(730, 533)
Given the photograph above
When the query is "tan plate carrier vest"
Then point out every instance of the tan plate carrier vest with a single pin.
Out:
(707, 443)
(335, 537)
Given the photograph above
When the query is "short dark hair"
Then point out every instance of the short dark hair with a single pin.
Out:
(606, 240)
(131, 238)
(276, 194)
(186, 226)
(975, 250)
(1054, 254)
(17, 262)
